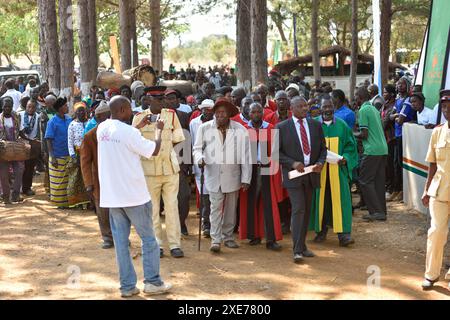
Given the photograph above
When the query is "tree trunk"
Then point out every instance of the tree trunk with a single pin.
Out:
(259, 41)
(93, 41)
(66, 47)
(48, 44)
(243, 44)
(127, 14)
(157, 51)
(354, 65)
(315, 39)
(85, 50)
(386, 21)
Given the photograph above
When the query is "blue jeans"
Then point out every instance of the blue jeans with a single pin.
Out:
(141, 218)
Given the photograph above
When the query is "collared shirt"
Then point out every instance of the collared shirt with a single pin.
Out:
(346, 114)
(307, 157)
(403, 107)
(166, 162)
(439, 153)
(425, 117)
(57, 131)
(264, 126)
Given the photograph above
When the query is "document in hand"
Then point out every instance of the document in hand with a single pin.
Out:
(333, 158)
(295, 174)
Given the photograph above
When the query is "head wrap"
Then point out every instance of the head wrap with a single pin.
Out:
(78, 106)
(87, 101)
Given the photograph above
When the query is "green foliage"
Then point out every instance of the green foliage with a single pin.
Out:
(219, 49)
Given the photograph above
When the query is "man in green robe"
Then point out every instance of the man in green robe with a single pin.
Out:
(332, 203)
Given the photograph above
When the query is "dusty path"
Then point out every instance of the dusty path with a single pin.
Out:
(38, 244)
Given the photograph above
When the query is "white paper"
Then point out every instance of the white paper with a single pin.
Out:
(296, 174)
(333, 158)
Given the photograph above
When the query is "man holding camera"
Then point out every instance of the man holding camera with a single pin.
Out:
(162, 171)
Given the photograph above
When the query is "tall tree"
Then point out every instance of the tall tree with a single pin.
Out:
(157, 50)
(259, 41)
(315, 39)
(66, 47)
(128, 38)
(93, 40)
(85, 50)
(354, 64)
(48, 44)
(386, 22)
(243, 43)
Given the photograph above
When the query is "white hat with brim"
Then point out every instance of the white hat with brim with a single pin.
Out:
(293, 86)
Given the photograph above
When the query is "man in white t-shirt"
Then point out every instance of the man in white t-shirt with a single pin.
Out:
(424, 114)
(123, 190)
(13, 93)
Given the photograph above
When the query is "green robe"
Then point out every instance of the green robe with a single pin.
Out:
(339, 139)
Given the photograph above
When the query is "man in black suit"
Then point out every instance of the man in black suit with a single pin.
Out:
(301, 144)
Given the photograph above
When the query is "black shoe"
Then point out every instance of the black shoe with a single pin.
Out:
(346, 242)
(273, 245)
(177, 253)
(255, 242)
(107, 245)
(161, 252)
(184, 231)
(215, 248)
(207, 233)
(320, 237)
(298, 258)
(308, 254)
(16, 198)
(6, 200)
(29, 193)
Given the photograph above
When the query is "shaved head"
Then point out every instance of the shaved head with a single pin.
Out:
(120, 108)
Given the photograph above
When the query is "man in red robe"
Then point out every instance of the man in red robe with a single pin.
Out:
(263, 91)
(244, 117)
(282, 113)
(258, 205)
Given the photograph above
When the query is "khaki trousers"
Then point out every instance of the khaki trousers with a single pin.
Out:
(437, 238)
(167, 187)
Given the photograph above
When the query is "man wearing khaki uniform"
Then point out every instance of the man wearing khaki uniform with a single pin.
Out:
(161, 172)
(437, 197)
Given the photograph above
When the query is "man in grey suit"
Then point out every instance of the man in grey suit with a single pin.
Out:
(222, 147)
(301, 145)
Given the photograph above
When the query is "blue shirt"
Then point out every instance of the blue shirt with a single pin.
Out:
(403, 107)
(57, 131)
(346, 114)
(90, 125)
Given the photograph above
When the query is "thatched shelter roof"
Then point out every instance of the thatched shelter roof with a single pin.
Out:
(287, 66)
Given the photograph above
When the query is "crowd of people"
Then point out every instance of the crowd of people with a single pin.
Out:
(282, 158)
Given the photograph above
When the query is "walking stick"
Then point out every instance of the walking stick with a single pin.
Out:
(202, 183)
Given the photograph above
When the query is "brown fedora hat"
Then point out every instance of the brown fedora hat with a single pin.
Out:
(231, 109)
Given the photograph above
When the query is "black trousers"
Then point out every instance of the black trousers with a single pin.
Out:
(205, 210)
(260, 190)
(27, 178)
(301, 199)
(398, 165)
(103, 222)
(390, 167)
(372, 180)
(184, 194)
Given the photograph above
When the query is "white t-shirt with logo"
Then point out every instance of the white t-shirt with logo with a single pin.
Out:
(122, 180)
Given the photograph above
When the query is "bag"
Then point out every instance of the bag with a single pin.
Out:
(14, 151)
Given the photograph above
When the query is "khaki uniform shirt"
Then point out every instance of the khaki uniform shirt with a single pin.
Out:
(439, 153)
(166, 163)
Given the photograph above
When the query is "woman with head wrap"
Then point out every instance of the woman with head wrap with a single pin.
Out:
(56, 136)
(76, 193)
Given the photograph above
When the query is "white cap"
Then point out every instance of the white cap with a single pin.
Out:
(207, 103)
(293, 86)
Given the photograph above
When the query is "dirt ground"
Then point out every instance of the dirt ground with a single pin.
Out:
(42, 249)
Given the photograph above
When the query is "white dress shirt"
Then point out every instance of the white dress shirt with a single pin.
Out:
(297, 128)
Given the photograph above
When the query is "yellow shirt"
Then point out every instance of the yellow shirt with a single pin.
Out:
(439, 153)
(166, 162)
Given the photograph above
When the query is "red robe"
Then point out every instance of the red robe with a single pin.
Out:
(274, 119)
(271, 105)
(258, 209)
(239, 119)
